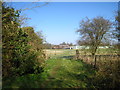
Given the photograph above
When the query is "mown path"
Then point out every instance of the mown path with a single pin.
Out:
(61, 71)
(68, 74)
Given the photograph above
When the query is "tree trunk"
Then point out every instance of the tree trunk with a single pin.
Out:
(94, 58)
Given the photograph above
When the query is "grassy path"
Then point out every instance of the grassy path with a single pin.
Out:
(59, 72)
(68, 73)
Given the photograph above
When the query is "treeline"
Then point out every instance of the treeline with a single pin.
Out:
(50, 46)
(22, 48)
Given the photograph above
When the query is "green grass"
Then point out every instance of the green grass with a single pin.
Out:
(68, 73)
(60, 71)
(109, 51)
(65, 52)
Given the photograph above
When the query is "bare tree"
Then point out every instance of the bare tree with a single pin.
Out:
(117, 30)
(92, 33)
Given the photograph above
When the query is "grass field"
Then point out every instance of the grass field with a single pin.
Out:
(59, 53)
(68, 52)
(61, 71)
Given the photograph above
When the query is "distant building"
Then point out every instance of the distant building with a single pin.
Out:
(64, 46)
(79, 47)
(74, 47)
(56, 47)
(103, 46)
(61, 47)
(86, 47)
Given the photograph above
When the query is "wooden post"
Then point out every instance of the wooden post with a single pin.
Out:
(77, 54)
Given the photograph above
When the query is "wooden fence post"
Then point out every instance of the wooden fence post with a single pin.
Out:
(77, 54)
